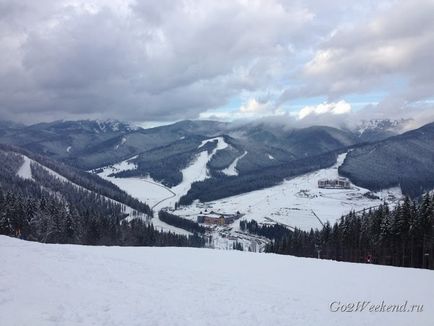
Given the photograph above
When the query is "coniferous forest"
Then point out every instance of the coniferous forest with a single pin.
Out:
(47, 209)
(180, 222)
(403, 236)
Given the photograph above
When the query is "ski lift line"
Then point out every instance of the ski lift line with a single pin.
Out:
(173, 194)
(321, 222)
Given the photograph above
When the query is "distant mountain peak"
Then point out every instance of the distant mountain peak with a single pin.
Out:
(381, 124)
(379, 129)
(115, 125)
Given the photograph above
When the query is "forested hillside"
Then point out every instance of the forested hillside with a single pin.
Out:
(45, 208)
(225, 186)
(406, 160)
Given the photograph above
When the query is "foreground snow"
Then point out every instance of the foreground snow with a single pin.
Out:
(78, 285)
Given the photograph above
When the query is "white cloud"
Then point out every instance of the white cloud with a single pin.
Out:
(340, 107)
(253, 106)
(250, 110)
(143, 60)
(391, 51)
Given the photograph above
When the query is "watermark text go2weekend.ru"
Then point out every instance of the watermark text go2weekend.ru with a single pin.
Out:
(374, 307)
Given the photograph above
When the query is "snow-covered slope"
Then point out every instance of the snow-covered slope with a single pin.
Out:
(196, 171)
(25, 172)
(232, 169)
(297, 202)
(61, 285)
(144, 189)
(157, 195)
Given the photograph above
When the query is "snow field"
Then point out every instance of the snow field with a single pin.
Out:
(70, 285)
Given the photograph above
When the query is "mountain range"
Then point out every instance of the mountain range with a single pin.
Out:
(261, 154)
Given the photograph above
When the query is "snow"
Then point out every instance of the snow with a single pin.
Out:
(270, 157)
(123, 141)
(374, 124)
(157, 195)
(25, 171)
(232, 169)
(68, 149)
(144, 189)
(154, 193)
(196, 171)
(296, 201)
(63, 285)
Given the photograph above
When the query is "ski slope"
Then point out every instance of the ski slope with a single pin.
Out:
(157, 195)
(196, 171)
(25, 172)
(297, 202)
(154, 193)
(232, 168)
(44, 285)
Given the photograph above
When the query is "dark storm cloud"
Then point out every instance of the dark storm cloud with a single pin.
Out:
(145, 60)
(170, 60)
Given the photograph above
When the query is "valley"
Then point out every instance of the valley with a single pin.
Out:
(295, 203)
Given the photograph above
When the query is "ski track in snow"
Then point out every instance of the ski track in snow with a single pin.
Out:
(232, 169)
(144, 189)
(64, 285)
(25, 171)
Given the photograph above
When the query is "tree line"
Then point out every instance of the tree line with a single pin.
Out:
(180, 222)
(274, 231)
(402, 236)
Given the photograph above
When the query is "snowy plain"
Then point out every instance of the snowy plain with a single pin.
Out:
(42, 285)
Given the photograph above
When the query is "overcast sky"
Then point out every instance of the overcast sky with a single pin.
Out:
(319, 61)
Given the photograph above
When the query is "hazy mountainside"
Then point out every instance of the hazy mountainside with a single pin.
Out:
(259, 152)
(406, 160)
(255, 155)
(65, 140)
(92, 144)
